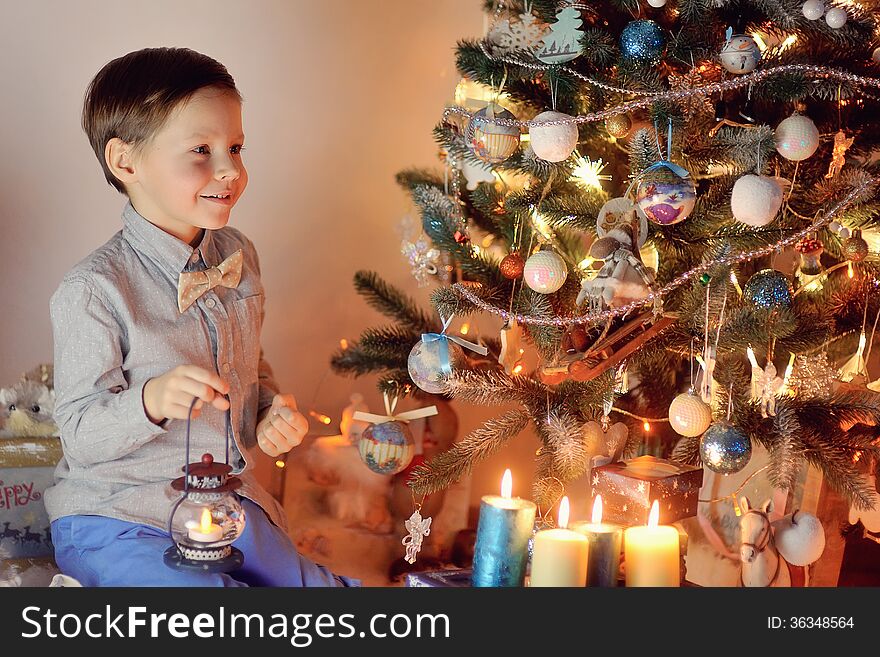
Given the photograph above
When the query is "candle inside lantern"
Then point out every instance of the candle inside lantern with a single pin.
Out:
(205, 531)
(503, 533)
(603, 563)
(559, 556)
(652, 553)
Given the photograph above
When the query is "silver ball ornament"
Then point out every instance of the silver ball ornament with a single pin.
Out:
(642, 41)
(725, 449)
(740, 54)
(836, 17)
(768, 289)
(689, 415)
(813, 9)
(756, 199)
(797, 138)
(553, 143)
(545, 272)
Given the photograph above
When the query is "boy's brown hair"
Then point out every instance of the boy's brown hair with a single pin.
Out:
(133, 95)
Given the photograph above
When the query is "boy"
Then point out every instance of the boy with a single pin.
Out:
(140, 334)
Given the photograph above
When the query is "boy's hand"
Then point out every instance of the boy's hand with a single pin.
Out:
(170, 395)
(283, 428)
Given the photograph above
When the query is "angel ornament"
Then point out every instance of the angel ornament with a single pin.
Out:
(769, 386)
(418, 529)
(623, 278)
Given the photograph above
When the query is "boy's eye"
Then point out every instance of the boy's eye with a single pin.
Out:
(201, 150)
(235, 150)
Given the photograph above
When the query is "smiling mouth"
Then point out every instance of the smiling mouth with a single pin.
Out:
(224, 198)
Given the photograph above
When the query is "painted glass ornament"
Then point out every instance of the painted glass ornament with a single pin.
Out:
(740, 54)
(810, 250)
(545, 272)
(797, 138)
(756, 199)
(492, 143)
(689, 415)
(642, 41)
(855, 247)
(664, 195)
(431, 362)
(813, 9)
(768, 289)
(512, 266)
(725, 449)
(387, 448)
(619, 125)
(563, 43)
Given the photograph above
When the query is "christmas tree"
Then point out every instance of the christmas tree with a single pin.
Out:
(689, 202)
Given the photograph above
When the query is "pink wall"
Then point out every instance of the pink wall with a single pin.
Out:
(339, 96)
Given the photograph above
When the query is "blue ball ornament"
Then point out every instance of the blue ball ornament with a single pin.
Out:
(387, 448)
(642, 41)
(432, 360)
(725, 449)
(769, 289)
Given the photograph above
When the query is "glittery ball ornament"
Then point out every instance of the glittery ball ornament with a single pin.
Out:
(855, 247)
(689, 415)
(768, 289)
(492, 143)
(512, 266)
(619, 125)
(836, 17)
(642, 41)
(755, 199)
(740, 54)
(387, 448)
(725, 449)
(665, 197)
(797, 138)
(553, 143)
(431, 361)
(813, 10)
(545, 272)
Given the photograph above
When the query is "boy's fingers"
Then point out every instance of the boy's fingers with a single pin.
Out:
(284, 400)
(220, 403)
(201, 391)
(209, 378)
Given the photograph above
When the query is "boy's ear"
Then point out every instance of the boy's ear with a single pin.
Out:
(119, 158)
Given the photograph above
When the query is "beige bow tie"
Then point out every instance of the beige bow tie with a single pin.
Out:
(193, 284)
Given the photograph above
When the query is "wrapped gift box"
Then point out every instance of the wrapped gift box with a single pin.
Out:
(629, 488)
(27, 467)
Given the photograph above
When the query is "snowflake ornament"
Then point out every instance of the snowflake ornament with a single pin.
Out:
(508, 36)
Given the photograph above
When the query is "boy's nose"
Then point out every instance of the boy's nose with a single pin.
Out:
(227, 170)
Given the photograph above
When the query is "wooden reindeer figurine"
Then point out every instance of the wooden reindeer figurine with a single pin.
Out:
(768, 547)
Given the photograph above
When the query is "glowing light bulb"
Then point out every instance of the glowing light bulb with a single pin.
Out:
(588, 173)
(464, 328)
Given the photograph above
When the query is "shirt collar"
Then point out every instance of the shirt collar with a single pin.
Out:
(170, 253)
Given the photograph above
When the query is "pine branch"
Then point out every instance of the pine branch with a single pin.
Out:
(392, 302)
(565, 439)
(450, 466)
(489, 388)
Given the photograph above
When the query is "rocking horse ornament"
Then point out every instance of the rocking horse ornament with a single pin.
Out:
(768, 547)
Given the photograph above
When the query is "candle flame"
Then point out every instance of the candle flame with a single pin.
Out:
(654, 516)
(506, 484)
(597, 510)
(205, 523)
(564, 509)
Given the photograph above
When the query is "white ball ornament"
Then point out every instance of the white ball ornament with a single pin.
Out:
(797, 138)
(657, 3)
(545, 272)
(800, 538)
(876, 55)
(836, 17)
(756, 199)
(553, 143)
(740, 54)
(689, 415)
(813, 9)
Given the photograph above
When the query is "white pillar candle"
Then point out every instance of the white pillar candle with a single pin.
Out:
(651, 553)
(559, 556)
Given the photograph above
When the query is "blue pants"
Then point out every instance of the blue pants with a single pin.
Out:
(101, 551)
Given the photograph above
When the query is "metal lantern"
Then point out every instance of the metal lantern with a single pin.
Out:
(207, 517)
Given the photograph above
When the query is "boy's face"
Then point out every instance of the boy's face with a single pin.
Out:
(190, 174)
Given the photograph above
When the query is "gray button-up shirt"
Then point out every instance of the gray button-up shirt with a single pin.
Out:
(116, 325)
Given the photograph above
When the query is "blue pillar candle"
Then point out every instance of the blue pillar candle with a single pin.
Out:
(503, 533)
(603, 562)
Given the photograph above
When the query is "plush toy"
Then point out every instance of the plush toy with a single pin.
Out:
(26, 410)
(44, 374)
(624, 277)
